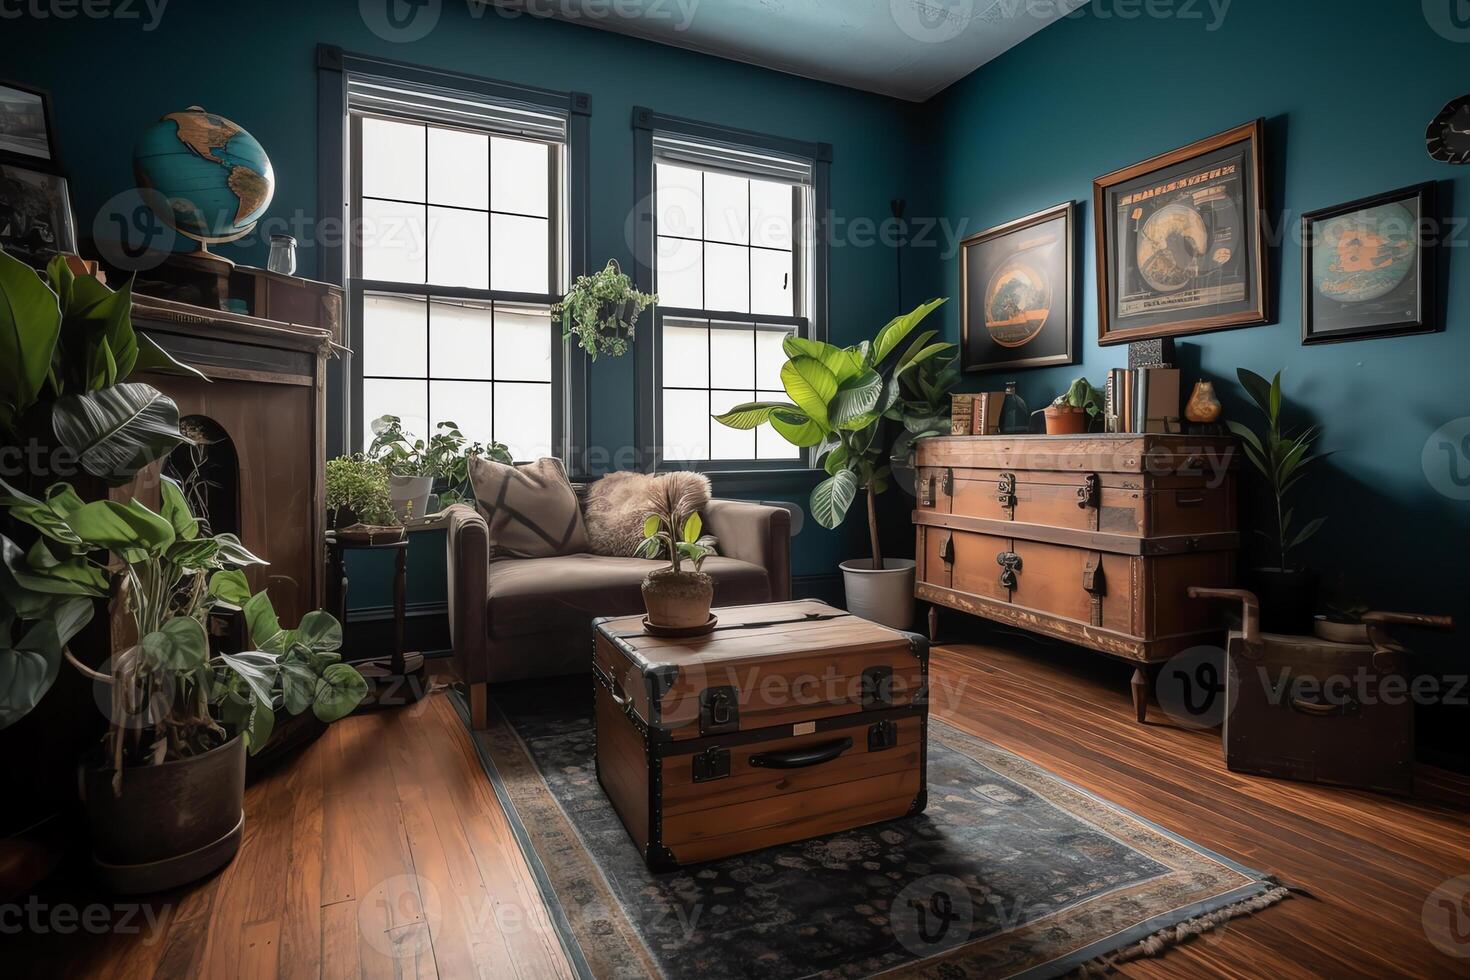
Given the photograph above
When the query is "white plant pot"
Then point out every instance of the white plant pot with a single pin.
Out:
(410, 496)
(883, 596)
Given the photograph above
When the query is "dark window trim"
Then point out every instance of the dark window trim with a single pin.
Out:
(648, 354)
(344, 379)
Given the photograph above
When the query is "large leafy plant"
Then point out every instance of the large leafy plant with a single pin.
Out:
(840, 401)
(445, 456)
(1282, 459)
(172, 697)
(602, 310)
(67, 352)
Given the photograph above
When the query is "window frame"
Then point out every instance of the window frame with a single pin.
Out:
(339, 180)
(810, 253)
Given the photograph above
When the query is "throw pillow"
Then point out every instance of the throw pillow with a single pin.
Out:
(531, 509)
(617, 505)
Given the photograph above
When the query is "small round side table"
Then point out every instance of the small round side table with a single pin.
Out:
(398, 678)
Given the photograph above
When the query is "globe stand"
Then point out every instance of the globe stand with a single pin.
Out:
(203, 271)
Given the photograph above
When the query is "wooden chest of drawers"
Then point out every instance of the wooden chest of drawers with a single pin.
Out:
(1091, 539)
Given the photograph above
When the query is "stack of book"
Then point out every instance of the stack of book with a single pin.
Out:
(1143, 399)
(977, 414)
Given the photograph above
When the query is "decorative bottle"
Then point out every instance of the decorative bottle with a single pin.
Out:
(1015, 417)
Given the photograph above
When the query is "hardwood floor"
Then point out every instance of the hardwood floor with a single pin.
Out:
(382, 849)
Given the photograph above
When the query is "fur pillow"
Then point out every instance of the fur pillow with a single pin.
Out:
(531, 509)
(617, 505)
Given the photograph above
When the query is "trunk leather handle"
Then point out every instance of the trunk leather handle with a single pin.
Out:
(813, 755)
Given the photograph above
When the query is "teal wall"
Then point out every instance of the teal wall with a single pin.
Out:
(1347, 88)
(255, 63)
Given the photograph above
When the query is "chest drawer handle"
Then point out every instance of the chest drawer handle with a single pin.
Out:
(813, 755)
(1193, 500)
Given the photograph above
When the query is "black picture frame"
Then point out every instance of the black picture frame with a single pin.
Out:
(1038, 251)
(1384, 301)
(36, 218)
(27, 128)
(1217, 276)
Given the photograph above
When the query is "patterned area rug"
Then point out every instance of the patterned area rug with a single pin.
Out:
(1010, 871)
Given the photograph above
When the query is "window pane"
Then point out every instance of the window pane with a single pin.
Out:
(519, 258)
(459, 343)
(725, 442)
(392, 160)
(768, 442)
(520, 176)
(393, 237)
(394, 336)
(726, 209)
(731, 357)
(465, 403)
(459, 248)
(686, 354)
(680, 273)
(406, 399)
(523, 419)
(770, 214)
(769, 357)
(522, 343)
(727, 278)
(459, 169)
(770, 283)
(677, 194)
(686, 424)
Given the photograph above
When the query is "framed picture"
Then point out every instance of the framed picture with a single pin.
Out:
(1369, 267)
(27, 132)
(1016, 281)
(1181, 240)
(35, 212)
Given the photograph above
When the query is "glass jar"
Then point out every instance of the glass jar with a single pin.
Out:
(283, 255)
(1015, 416)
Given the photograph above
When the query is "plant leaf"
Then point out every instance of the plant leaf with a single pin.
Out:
(30, 325)
(750, 415)
(298, 686)
(154, 358)
(1313, 526)
(856, 398)
(232, 552)
(117, 431)
(262, 624)
(129, 529)
(1257, 387)
(340, 689)
(180, 645)
(900, 327)
(811, 386)
(175, 510)
(27, 670)
(230, 586)
(692, 528)
(833, 496)
(319, 632)
(257, 669)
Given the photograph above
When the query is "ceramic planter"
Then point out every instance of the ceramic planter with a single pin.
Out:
(172, 823)
(885, 595)
(410, 496)
(1065, 420)
(678, 600)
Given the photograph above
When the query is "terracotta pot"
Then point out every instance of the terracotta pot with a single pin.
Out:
(678, 600)
(172, 823)
(1065, 420)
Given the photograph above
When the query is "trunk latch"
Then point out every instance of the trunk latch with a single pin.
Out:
(1010, 566)
(883, 735)
(712, 763)
(719, 711)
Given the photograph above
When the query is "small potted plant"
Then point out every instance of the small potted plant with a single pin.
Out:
(1074, 410)
(357, 493)
(1287, 589)
(677, 598)
(601, 311)
(417, 469)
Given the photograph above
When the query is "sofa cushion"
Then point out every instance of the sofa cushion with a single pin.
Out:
(546, 595)
(531, 509)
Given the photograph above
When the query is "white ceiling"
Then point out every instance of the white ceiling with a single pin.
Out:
(909, 49)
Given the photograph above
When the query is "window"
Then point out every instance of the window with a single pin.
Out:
(459, 250)
(734, 256)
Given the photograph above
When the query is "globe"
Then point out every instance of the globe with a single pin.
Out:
(214, 179)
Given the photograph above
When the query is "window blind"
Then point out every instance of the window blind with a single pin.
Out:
(382, 97)
(733, 160)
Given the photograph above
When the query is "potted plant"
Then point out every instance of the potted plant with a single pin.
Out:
(164, 792)
(840, 400)
(1287, 590)
(677, 598)
(357, 493)
(1074, 410)
(601, 311)
(417, 468)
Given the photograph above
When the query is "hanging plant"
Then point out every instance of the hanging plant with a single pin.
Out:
(601, 310)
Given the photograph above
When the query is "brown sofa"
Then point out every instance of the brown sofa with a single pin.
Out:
(513, 619)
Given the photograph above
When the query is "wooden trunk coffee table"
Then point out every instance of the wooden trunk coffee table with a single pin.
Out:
(791, 720)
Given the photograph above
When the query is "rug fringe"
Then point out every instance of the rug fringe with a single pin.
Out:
(1165, 939)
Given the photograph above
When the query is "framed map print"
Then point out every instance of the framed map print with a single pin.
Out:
(1369, 267)
(1181, 243)
(1016, 287)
